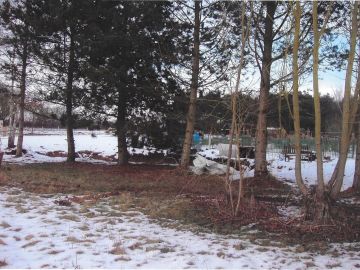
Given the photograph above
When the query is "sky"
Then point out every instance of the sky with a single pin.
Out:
(330, 82)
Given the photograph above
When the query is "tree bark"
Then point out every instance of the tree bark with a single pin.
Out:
(24, 59)
(261, 128)
(123, 155)
(296, 110)
(69, 103)
(190, 119)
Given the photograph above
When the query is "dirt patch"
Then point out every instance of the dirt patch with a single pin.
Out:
(55, 154)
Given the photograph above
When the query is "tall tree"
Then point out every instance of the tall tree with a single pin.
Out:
(63, 26)
(296, 109)
(18, 17)
(127, 71)
(319, 208)
(214, 42)
(266, 61)
(190, 120)
(349, 108)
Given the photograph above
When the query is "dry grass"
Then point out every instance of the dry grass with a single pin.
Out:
(5, 225)
(17, 238)
(70, 217)
(159, 191)
(54, 252)
(30, 244)
(122, 258)
(81, 177)
(73, 239)
(163, 193)
(29, 237)
(3, 263)
(118, 249)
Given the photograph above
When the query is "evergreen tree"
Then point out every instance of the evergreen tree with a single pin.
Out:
(127, 74)
(63, 25)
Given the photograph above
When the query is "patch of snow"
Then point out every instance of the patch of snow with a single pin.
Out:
(52, 140)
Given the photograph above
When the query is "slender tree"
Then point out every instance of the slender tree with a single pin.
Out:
(296, 109)
(348, 113)
(18, 16)
(319, 204)
(190, 120)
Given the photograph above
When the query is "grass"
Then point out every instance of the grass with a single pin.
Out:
(30, 244)
(81, 178)
(154, 190)
(5, 225)
(3, 263)
(163, 193)
(70, 217)
(54, 252)
(118, 249)
(29, 237)
(73, 239)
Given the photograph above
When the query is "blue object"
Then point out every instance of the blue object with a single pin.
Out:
(196, 138)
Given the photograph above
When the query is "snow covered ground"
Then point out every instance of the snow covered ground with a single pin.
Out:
(37, 233)
(49, 140)
(285, 170)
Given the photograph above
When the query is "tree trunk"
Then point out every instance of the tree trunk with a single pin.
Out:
(123, 155)
(319, 161)
(261, 128)
(296, 110)
(24, 58)
(69, 103)
(356, 181)
(346, 112)
(190, 119)
(320, 206)
(13, 109)
(12, 124)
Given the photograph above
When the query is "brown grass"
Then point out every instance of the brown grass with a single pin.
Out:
(29, 237)
(161, 192)
(5, 225)
(3, 263)
(118, 249)
(30, 244)
(73, 239)
(82, 178)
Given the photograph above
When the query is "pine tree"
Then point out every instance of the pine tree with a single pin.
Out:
(62, 27)
(127, 74)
